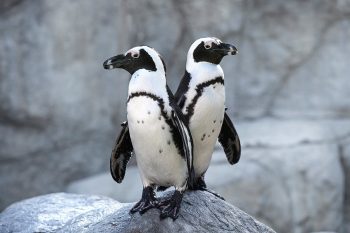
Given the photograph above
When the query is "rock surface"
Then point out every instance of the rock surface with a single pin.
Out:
(305, 180)
(200, 212)
(51, 212)
(287, 73)
(276, 133)
(58, 116)
(345, 158)
(129, 190)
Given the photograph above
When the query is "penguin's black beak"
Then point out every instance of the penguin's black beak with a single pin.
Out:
(119, 61)
(226, 49)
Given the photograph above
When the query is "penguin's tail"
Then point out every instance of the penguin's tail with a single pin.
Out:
(191, 179)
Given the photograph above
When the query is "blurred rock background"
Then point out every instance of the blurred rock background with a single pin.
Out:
(287, 91)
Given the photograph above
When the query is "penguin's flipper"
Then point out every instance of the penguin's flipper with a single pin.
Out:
(180, 97)
(121, 154)
(229, 140)
(186, 139)
(183, 131)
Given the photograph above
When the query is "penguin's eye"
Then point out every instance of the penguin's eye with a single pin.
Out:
(135, 55)
(207, 46)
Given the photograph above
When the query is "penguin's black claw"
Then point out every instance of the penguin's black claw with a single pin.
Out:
(212, 192)
(170, 207)
(143, 205)
(147, 202)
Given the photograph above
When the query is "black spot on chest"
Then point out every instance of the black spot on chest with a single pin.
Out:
(164, 114)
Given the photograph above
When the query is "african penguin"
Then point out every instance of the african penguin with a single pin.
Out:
(201, 97)
(154, 130)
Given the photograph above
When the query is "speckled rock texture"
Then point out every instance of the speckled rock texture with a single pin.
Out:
(62, 212)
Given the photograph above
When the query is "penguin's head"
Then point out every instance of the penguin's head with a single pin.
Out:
(210, 49)
(141, 57)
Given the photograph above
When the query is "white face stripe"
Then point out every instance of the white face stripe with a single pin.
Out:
(153, 53)
(156, 58)
(135, 52)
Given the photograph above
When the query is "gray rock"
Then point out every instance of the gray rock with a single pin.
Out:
(51, 212)
(345, 156)
(343, 6)
(270, 132)
(129, 190)
(324, 232)
(200, 212)
(225, 17)
(297, 189)
(276, 39)
(51, 170)
(59, 109)
(303, 100)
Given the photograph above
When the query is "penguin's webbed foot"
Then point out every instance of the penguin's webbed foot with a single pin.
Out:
(147, 202)
(170, 207)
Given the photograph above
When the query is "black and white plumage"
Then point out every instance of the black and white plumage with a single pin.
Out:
(201, 97)
(155, 131)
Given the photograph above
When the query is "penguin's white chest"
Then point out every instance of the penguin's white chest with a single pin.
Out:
(205, 124)
(157, 156)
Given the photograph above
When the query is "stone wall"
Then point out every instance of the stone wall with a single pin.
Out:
(60, 111)
(58, 108)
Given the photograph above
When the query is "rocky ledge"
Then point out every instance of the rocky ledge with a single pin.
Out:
(63, 212)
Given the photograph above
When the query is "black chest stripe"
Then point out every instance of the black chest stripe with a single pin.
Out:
(199, 89)
(160, 101)
(150, 95)
(154, 97)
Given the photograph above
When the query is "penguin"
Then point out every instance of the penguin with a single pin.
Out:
(201, 97)
(155, 131)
